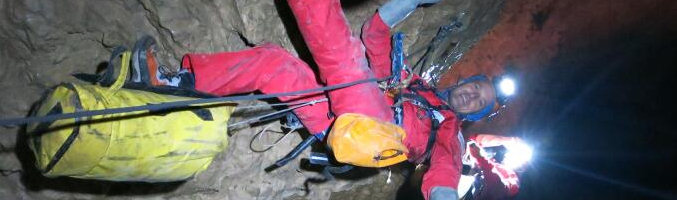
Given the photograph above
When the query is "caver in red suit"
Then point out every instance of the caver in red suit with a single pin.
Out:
(341, 59)
(499, 179)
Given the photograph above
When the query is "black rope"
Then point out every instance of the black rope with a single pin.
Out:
(175, 104)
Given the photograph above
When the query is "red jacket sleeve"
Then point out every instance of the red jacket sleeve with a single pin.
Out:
(445, 162)
(500, 182)
(376, 39)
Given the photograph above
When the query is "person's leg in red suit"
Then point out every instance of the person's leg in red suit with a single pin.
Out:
(340, 57)
(267, 68)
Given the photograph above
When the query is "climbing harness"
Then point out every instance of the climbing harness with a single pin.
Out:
(431, 111)
(396, 90)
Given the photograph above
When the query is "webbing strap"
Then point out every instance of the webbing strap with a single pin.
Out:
(108, 77)
(435, 125)
(416, 87)
(124, 69)
(397, 63)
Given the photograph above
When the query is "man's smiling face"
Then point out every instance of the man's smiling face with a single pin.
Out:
(471, 97)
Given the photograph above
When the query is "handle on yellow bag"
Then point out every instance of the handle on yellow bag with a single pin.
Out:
(388, 154)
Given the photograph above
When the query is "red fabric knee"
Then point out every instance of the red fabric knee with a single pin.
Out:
(267, 68)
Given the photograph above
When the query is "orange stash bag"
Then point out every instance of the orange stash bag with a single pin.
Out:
(365, 141)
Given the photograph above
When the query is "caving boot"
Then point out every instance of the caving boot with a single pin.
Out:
(147, 69)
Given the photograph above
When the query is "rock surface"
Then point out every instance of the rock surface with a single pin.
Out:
(44, 42)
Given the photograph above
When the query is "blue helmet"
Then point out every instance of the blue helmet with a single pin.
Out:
(504, 87)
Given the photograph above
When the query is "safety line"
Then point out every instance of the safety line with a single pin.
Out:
(295, 105)
(175, 104)
(265, 105)
(254, 119)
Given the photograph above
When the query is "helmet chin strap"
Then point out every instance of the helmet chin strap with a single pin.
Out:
(444, 94)
(476, 116)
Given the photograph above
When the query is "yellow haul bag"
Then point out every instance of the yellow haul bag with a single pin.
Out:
(139, 146)
(365, 141)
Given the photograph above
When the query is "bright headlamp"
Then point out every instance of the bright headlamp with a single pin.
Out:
(505, 88)
(517, 155)
(511, 155)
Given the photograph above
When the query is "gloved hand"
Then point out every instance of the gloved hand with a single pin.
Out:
(394, 11)
(443, 193)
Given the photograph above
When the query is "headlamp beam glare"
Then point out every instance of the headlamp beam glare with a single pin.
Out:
(517, 155)
(507, 86)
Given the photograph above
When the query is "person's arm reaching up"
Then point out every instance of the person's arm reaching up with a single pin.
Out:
(376, 32)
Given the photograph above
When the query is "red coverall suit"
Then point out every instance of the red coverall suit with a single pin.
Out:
(500, 182)
(341, 59)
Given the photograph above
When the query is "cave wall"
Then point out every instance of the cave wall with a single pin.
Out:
(44, 42)
(530, 34)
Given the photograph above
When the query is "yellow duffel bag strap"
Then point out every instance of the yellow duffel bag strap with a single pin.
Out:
(124, 69)
(365, 141)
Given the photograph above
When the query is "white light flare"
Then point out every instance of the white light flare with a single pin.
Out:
(507, 86)
(517, 155)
